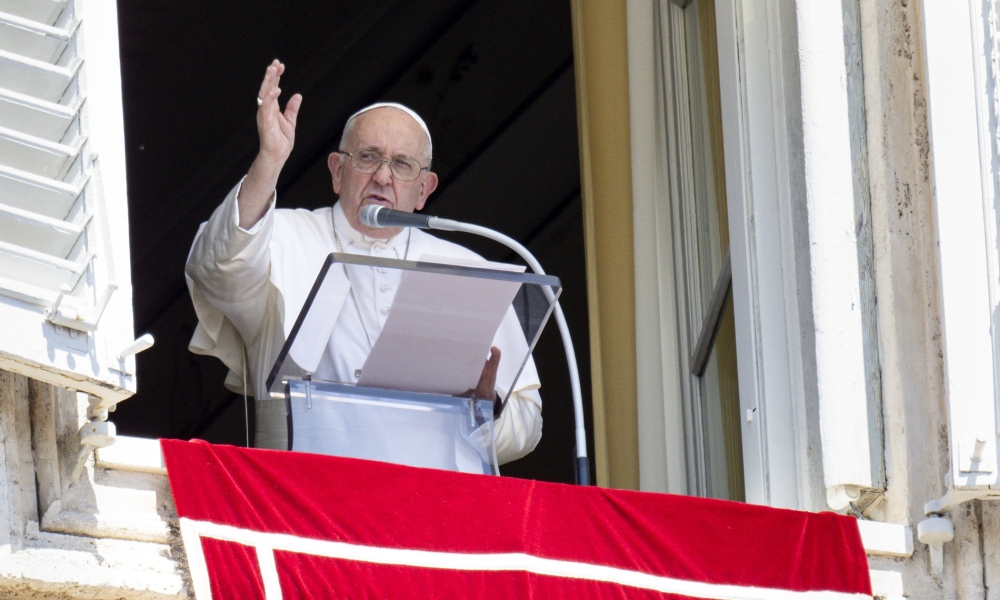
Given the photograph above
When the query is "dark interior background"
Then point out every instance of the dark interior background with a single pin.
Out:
(492, 78)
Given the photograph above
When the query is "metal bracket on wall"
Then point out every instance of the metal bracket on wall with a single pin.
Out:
(937, 529)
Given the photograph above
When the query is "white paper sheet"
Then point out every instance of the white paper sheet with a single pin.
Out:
(439, 332)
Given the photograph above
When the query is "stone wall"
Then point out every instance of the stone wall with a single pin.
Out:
(111, 533)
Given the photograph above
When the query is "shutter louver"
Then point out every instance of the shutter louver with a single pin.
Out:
(44, 210)
(63, 214)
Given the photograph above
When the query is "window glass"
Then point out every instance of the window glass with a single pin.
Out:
(697, 182)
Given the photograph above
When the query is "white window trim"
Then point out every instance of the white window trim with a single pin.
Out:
(758, 186)
(768, 341)
(833, 254)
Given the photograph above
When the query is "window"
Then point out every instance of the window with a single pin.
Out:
(739, 359)
(693, 167)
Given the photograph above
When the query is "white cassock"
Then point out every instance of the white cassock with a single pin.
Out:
(248, 287)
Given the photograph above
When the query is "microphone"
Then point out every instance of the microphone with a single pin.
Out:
(377, 216)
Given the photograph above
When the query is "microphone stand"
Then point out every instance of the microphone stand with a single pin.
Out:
(582, 464)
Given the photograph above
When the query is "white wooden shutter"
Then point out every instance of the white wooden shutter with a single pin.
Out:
(65, 291)
(962, 113)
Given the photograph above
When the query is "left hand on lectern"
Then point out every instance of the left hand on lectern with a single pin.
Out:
(486, 388)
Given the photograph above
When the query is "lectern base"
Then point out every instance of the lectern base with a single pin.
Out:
(407, 428)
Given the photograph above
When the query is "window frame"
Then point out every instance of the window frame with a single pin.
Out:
(769, 238)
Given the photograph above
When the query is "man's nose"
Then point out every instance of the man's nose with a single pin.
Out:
(383, 174)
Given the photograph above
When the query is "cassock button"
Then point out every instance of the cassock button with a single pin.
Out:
(385, 311)
(384, 288)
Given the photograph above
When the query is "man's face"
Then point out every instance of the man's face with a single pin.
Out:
(391, 133)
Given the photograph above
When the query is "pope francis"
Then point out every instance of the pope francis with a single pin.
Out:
(251, 266)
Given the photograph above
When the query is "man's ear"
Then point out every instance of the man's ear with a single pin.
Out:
(336, 167)
(427, 188)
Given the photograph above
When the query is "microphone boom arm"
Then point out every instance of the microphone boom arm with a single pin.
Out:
(582, 464)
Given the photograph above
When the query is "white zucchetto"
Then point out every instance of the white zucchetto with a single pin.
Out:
(409, 111)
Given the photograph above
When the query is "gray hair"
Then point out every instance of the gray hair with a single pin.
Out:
(352, 121)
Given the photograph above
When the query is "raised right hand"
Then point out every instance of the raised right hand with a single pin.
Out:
(276, 129)
(277, 137)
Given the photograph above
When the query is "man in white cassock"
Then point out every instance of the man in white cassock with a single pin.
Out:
(251, 266)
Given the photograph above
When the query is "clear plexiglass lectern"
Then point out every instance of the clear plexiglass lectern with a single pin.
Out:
(410, 401)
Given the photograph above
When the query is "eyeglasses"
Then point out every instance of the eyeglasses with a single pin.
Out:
(368, 161)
